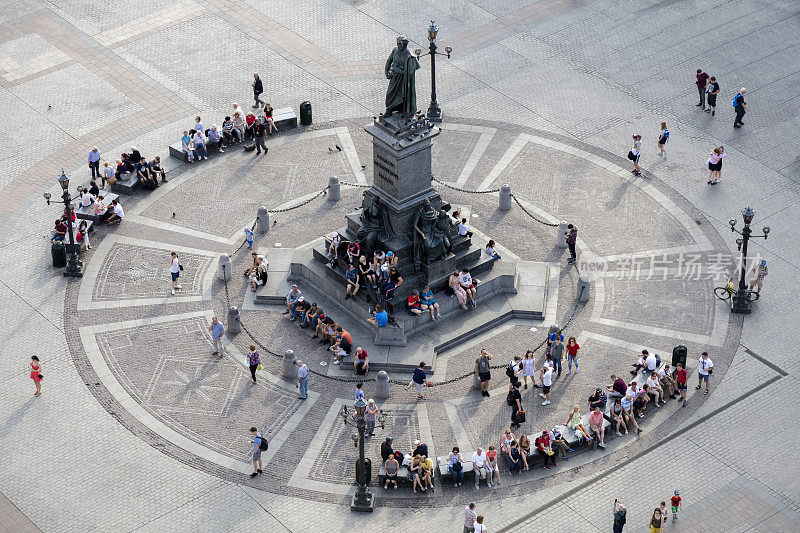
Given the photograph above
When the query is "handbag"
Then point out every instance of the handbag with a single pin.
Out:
(180, 266)
(520, 418)
(112, 180)
(631, 156)
(457, 467)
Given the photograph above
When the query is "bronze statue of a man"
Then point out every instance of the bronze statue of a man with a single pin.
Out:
(401, 96)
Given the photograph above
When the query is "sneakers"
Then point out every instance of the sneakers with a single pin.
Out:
(178, 287)
(546, 402)
(221, 151)
(713, 112)
(254, 474)
(173, 292)
(473, 303)
(542, 395)
(601, 444)
(335, 361)
(619, 434)
(576, 370)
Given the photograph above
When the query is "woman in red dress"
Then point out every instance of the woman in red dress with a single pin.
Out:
(36, 374)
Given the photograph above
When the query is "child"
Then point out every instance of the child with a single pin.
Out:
(663, 138)
(463, 230)
(248, 236)
(490, 250)
(675, 501)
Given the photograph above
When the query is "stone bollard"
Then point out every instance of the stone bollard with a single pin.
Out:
(334, 189)
(382, 385)
(224, 267)
(505, 198)
(562, 232)
(583, 285)
(234, 326)
(289, 366)
(476, 383)
(262, 225)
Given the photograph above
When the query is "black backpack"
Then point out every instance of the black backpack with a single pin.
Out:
(263, 445)
(510, 400)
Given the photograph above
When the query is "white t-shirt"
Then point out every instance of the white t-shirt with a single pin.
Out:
(547, 378)
(174, 265)
(480, 528)
(465, 279)
(462, 229)
(478, 460)
(119, 212)
(650, 362)
(87, 199)
(704, 366)
(652, 383)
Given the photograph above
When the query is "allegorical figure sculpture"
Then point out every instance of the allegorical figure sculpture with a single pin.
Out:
(375, 226)
(401, 96)
(430, 235)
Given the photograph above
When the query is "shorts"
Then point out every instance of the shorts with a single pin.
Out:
(681, 386)
(635, 157)
(484, 376)
(662, 141)
(545, 389)
(712, 100)
(175, 275)
(702, 377)
(715, 166)
(674, 509)
(257, 454)
(757, 282)
(466, 288)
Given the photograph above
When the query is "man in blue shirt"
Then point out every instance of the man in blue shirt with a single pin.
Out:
(217, 331)
(352, 282)
(380, 317)
(257, 440)
(94, 162)
(302, 380)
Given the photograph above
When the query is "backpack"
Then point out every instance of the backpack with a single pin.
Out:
(263, 445)
(734, 103)
(510, 370)
(510, 399)
(666, 136)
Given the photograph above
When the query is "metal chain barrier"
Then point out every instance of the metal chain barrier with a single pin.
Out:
(353, 184)
(320, 193)
(463, 190)
(530, 214)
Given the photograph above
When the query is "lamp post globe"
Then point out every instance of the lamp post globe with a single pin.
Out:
(741, 302)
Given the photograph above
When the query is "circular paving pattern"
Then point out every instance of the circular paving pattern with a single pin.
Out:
(146, 354)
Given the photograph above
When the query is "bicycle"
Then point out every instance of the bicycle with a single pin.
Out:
(727, 292)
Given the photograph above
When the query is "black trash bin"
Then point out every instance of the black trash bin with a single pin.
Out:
(59, 252)
(305, 113)
(679, 356)
(367, 469)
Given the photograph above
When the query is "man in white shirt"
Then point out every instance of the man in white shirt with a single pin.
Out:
(469, 517)
(704, 371)
(667, 382)
(650, 362)
(118, 214)
(302, 379)
(654, 388)
(478, 464)
(547, 379)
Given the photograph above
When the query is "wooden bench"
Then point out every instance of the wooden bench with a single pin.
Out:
(87, 212)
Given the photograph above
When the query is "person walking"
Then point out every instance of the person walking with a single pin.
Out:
(94, 162)
(758, 281)
(680, 381)
(572, 239)
(656, 521)
(418, 380)
(740, 106)
(514, 399)
(676, 505)
(258, 88)
(663, 138)
(302, 379)
(470, 515)
(556, 353)
(634, 153)
(715, 164)
(529, 368)
(369, 417)
(36, 374)
(175, 268)
(704, 371)
(217, 331)
(258, 136)
(619, 516)
(702, 83)
(483, 371)
(259, 445)
(572, 354)
(546, 378)
(253, 360)
(711, 93)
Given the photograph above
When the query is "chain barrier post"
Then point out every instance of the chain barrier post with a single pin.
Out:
(382, 385)
(234, 326)
(505, 197)
(561, 237)
(225, 267)
(262, 222)
(289, 366)
(334, 189)
(583, 289)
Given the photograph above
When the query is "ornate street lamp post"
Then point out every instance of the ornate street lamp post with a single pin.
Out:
(363, 501)
(434, 111)
(741, 302)
(74, 265)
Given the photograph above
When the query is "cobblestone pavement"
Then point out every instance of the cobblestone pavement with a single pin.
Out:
(142, 411)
